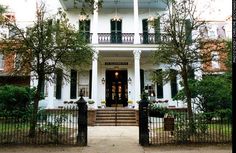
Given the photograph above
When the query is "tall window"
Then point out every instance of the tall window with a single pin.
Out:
(188, 31)
(73, 84)
(83, 83)
(84, 27)
(173, 83)
(215, 60)
(1, 61)
(59, 76)
(145, 31)
(116, 31)
(160, 85)
(151, 27)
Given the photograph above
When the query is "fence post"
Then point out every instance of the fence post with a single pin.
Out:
(82, 121)
(143, 122)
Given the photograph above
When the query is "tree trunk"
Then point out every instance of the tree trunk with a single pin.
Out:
(188, 99)
(33, 120)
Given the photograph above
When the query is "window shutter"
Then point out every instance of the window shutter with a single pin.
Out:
(157, 30)
(90, 83)
(73, 84)
(159, 85)
(188, 31)
(173, 81)
(141, 80)
(113, 32)
(87, 31)
(119, 31)
(145, 31)
(58, 83)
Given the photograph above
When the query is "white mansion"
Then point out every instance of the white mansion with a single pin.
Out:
(123, 41)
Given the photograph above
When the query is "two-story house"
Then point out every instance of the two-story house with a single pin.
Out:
(123, 34)
(7, 61)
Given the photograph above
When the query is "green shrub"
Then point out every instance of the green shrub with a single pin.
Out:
(15, 100)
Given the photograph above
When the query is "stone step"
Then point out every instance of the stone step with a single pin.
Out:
(114, 111)
(112, 115)
(116, 124)
(118, 118)
(115, 121)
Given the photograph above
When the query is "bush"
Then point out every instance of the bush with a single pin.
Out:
(15, 100)
(156, 110)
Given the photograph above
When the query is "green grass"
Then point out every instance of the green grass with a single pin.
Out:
(226, 129)
(11, 127)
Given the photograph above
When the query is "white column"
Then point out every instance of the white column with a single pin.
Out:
(136, 23)
(95, 24)
(50, 104)
(137, 93)
(95, 78)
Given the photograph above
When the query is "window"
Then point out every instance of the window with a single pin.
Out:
(83, 83)
(59, 74)
(203, 31)
(188, 31)
(116, 31)
(173, 83)
(1, 61)
(215, 60)
(145, 31)
(73, 84)
(84, 27)
(159, 85)
(17, 61)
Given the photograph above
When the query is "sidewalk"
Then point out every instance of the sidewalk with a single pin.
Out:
(117, 139)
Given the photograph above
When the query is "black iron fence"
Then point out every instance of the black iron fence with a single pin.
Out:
(59, 126)
(177, 129)
(171, 126)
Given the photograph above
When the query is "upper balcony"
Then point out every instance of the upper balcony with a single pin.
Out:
(128, 38)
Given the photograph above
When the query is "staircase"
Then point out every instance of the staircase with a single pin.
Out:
(119, 116)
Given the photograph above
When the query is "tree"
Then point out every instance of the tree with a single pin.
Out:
(181, 52)
(213, 93)
(2, 11)
(50, 44)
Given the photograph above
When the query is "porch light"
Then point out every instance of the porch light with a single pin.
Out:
(150, 17)
(83, 17)
(116, 17)
(116, 74)
(129, 80)
(103, 80)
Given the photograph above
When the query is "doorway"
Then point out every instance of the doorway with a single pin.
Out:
(116, 88)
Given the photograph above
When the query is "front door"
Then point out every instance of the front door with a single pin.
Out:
(116, 88)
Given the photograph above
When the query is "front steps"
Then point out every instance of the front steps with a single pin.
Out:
(119, 116)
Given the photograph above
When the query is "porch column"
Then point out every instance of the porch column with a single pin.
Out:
(137, 92)
(136, 23)
(94, 77)
(95, 24)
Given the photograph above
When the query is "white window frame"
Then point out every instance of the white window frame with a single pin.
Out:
(1, 61)
(84, 85)
(215, 60)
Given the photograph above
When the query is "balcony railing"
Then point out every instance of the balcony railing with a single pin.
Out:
(153, 38)
(128, 38)
(115, 38)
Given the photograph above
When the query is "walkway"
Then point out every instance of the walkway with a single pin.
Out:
(113, 139)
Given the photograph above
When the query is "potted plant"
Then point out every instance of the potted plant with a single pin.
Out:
(90, 104)
(157, 111)
(130, 103)
(103, 103)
